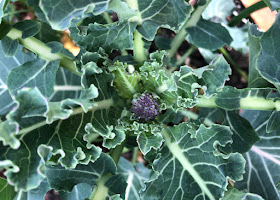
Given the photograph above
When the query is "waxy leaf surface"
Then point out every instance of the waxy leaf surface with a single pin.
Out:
(191, 167)
(262, 161)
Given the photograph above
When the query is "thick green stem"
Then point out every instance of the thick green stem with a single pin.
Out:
(19, 195)
(134, 155)
(139, 50)
(250, 103)
(107, 18)
(101, 191)
(194, 116)
(180, 37)
(233, 64)
(246, 12)
(117, 152)
(42, 50)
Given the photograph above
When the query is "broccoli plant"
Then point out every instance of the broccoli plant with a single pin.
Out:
(129, 116)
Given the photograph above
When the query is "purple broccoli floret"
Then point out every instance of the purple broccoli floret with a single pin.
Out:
(145, 107)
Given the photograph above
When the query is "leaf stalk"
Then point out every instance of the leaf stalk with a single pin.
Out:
(192, 21)
(246, 12)
(40, 48)
(249, 103)
(101, 191)
(139, 50)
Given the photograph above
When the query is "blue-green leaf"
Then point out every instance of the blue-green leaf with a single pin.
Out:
(126, 84)
(218, 11)
(234, 194)
(109, 37)
(122, 9)
(273, 122)
(230, 98)
(191, 167)
(6, 65)
(36, 73)
(4, 29)
(209, 35)
(79, 192)
(60, 14)
(272, 4)
(37, 193)
(63, 179)
(262, 161)
(160, 13)
(9, 46)
(255, 79)
(135, 177)
(244, 135)
(28, 27)
(269, 59)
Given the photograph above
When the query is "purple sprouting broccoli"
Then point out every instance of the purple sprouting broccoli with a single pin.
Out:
(145, 107)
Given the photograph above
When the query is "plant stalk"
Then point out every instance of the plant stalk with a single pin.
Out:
(194, 116)
(42, 50)
(246, 12)
(233, 64)
(180, 37)
(139, 50)
(250, 103)
(101, 191)
(117, 152)
(134, 155)
(107, 18)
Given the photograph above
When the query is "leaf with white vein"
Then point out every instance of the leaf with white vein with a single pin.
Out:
(79, 192)
(191, 167)
(218, 11)
(269, 60)
(6, 65)
(60, 13)
(7, 191)
(126, 84)
(263, 160)
(118, 35)
(63, 179)
(36, 73)
(234, 194)
(37, 193)
(135, 177)
(209, 35)
(160, 13)
(63, 138)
